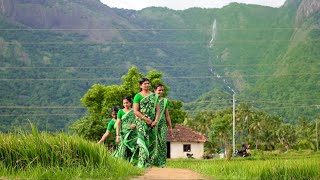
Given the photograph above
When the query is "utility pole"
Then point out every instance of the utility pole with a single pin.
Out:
(317, 136)
(234, 123)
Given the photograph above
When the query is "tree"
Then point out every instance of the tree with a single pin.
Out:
(221, 128)
(243, 116)
(100, 99)
(286, 135)
(305, 134)
(177, 115)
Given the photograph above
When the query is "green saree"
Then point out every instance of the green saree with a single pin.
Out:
(146, 138)
(159, 156)
(128, 144)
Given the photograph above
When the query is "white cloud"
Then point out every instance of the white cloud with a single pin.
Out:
(185, 4)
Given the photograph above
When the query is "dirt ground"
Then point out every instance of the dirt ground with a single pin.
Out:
(169, 173)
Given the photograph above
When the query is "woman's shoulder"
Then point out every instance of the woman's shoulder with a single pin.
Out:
(137, 98)
(138, 95)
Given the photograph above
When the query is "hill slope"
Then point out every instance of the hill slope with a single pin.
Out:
(52, 52)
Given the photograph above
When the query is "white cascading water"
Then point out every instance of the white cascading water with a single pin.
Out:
(211, 44)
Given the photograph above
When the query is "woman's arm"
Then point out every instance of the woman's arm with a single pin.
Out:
(136, 108)
(168, 118)
(106, 134)
(155, 122)
(118, 125)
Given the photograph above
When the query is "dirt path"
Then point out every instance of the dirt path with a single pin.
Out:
(169, 173)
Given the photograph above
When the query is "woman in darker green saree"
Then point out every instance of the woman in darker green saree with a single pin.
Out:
(126, 132)
(159, 157)
(146, 108)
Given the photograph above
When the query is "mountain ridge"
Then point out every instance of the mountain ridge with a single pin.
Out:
(254, 46)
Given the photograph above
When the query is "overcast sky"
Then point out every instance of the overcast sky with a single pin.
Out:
(185, 4)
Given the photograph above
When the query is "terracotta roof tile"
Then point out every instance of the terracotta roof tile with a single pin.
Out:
(184, 134)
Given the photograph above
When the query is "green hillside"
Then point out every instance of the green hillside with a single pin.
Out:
(50, 60)
(297, 94)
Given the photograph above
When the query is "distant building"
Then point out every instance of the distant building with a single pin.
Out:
(185, 141)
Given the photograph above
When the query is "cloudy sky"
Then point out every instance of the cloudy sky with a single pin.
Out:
(185, 4)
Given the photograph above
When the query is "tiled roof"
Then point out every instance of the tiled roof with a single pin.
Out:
(184, 134)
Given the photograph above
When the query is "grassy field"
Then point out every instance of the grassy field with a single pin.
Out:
(37, 155)
(263, 166)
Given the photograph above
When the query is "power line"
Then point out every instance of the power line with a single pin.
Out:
(254, 101)
(153, 42)
(13, 115)
(62, 79)
(229, 103)
(178, 77)
(164, 66)
(42, 107)
(257, 75)
(149, 29)
(79, 107)
(315, 106)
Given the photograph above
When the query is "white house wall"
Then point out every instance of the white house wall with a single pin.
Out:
(176, 149)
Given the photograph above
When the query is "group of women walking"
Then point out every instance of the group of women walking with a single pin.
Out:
(141, 130)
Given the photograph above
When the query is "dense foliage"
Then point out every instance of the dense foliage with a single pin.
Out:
(49, 61)
(258, 128)
(101, 98)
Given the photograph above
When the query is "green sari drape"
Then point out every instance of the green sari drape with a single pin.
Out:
(128, 144)
(159, 156)
(145, 138)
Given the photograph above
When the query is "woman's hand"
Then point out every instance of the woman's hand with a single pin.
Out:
(154, 123)
(132, 126)
(170, 132)
(148, 121)
(118, 139)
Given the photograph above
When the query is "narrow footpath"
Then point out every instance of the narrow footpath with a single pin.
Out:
(169, 173)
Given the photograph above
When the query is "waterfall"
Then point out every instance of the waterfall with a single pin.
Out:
(214, 32)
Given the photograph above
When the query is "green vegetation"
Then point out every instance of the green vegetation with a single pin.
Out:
(35, 155)
(101, 98)
(281, 167)
(258, 128)
(263, 53)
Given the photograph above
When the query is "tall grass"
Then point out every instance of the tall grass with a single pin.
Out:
(58, 156)
(291, 168)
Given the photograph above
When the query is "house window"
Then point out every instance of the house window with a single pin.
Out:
(187, 148)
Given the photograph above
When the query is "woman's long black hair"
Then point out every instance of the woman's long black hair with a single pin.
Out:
(142, 80)
(114, 108)
(158, 85)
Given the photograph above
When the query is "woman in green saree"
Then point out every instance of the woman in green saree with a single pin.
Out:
(160, 156)
(126, 134)
(111, 124)
(146, 108)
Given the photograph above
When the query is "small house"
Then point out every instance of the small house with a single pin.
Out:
(185, 142)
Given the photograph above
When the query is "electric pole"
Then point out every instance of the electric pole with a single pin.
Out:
(234, 123)
(317, 136)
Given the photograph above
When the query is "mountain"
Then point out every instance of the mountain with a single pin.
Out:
(298, 94)
(282, 77)
(52, 52)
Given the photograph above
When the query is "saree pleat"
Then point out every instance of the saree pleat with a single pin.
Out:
(128, 145)
(159, 155)
(146, 135)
